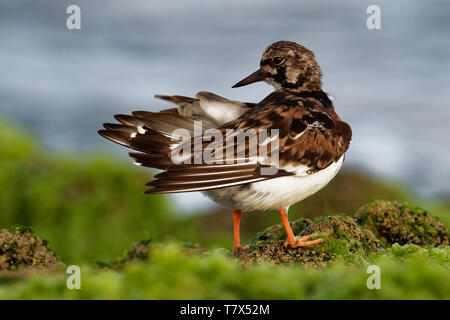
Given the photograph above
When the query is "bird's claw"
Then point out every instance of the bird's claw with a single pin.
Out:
(302, 242)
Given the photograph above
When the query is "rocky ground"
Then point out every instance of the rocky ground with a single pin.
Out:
(20, 249)
(409, 245)
(376, 225)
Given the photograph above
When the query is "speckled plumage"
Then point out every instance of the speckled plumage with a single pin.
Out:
(312, 138)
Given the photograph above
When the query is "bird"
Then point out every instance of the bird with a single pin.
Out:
(307, 141)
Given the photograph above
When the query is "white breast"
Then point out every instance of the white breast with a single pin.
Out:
(275, 193)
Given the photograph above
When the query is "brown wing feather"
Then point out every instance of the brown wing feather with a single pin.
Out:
(188, 178)
(152, 133)
(310, 134)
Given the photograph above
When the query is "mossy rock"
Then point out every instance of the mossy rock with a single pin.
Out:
(395, 222)
(344, 240)
(139, 251)
(194, 248)
(20, 249)
(278, 232)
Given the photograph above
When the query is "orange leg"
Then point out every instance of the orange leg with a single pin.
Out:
(292, 241)
(237, 214)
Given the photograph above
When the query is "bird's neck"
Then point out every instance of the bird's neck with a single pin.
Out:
(310, 85)
(304, 86)
(311, 81)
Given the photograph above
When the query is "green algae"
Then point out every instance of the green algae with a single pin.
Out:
(395, 222)
(334, 269)
(377, 225)
(20, 249)
(137, 252)
(344, 240)
(407, 272)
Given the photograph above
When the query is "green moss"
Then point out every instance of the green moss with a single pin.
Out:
(173, 274)
(407, 271)
(439, 255)
(343, 239)
(278, 232)
(395, 222)
(378, 224)
(138, 251)
(21, 249)
(20, 229)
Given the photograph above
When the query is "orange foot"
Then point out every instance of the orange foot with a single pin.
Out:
(239, 248)
(301, 242)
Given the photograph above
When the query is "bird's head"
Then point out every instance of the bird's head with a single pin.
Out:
(286, 64)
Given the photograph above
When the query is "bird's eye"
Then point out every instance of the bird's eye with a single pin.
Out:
(278, 60)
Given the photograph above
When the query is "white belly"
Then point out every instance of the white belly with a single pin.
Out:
(275, 193)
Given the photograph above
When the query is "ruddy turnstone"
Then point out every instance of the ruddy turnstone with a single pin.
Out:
(310, 144)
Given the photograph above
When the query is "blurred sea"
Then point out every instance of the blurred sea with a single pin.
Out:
(391, 85)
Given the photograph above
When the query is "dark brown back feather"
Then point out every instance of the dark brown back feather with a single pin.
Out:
(310, 134)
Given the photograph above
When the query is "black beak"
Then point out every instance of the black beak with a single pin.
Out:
(258, 75)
